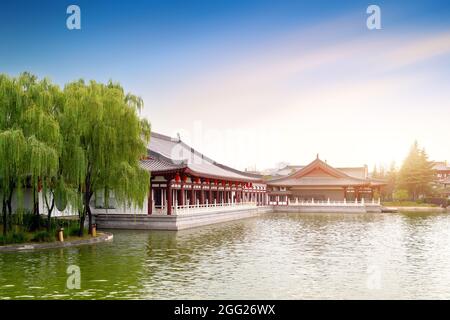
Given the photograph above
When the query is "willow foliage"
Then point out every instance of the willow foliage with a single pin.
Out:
(72, 143)
(30, 139)
(109, 138)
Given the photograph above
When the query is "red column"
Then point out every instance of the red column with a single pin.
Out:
(210, 200)
(150, 202)
(202, 196)
(192, 200)
(169, 198)
(181, 199)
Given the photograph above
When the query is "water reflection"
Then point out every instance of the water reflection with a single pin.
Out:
(275, 256)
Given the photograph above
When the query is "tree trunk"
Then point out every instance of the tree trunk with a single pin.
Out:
(90, 218)
(49, 211)
(87, 200)
(87, 209)
(36, 218)
(82, 215)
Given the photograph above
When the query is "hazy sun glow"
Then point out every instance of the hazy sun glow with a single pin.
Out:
(359, 101)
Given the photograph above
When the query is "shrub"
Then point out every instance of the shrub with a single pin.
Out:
(42, 236)
(23, 218)
(71, 231)
(400, 195)
(18, 237)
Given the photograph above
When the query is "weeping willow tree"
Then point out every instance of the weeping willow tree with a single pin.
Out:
(13, 151)
(104, 139)
(70, 144)
(30, 139)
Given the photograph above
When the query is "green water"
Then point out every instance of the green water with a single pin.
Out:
(276, 256)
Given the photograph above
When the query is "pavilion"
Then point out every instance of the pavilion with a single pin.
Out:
(182, 177)
(321, 182)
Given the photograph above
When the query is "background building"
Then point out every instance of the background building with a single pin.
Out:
(320, 181)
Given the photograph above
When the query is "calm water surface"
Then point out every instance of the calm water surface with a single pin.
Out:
(276, 256)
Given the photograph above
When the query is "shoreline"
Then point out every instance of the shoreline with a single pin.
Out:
(418, 209)
(101, 237)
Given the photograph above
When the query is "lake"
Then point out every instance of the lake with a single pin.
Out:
(273, 256)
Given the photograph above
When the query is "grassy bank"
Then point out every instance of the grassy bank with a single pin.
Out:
(19, 236)
(25, 228)
(407, 204)
(39, 236)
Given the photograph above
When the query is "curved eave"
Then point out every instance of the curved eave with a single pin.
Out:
(167, 172)
(336, 185)
(210, 176)
(187, 170)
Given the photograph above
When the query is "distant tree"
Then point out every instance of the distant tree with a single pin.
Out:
(416, 174)
(375, 174)
(400, 195)
(391, 180)
(382, 173)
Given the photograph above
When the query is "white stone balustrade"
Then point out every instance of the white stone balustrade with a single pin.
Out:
(200, 208)
(328, 202)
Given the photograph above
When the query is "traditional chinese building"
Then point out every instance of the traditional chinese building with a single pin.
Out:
(188, 189)
(183, 178)
(442, 170)
(318, 181)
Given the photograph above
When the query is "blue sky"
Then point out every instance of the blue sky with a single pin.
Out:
(253, 83)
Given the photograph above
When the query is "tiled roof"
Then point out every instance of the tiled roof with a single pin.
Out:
(167, 154)
(335, 177)
(319, 181)
(441, 166)
(356, 172)
(154, 164)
